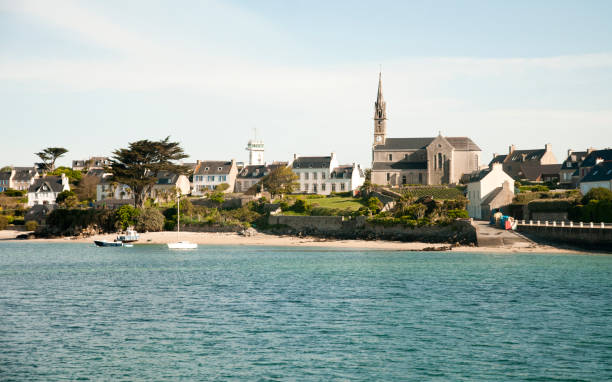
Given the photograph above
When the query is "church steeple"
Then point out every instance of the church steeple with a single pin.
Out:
(380, 115)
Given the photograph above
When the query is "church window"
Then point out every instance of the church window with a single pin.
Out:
(390, 156)
(420, 178)
(440, 163)
(388, 177)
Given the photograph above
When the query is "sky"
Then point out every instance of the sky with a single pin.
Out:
(92, 76)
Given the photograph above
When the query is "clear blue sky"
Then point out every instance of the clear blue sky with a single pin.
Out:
(93, 75)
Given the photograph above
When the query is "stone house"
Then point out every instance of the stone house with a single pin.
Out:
(323, 175)
(168, 184)
(430, 160)
(529, 164)
(599, 176)
(46, 189)
(18, 178)
(209, 174)
(487, 190)
(91, 163)
(250, 175)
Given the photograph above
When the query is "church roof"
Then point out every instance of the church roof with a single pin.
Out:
(458, 143)
(400, 165)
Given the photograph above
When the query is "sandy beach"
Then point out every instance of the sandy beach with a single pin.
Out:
(262, 239)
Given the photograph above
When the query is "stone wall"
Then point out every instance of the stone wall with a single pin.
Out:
(211, 228)
(593, 238)
(549, 216)
(460, 231)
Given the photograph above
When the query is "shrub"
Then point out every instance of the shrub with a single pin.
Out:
(284, 206)
(549, 205)
(374, 204)
(150, 220)
(221, 187)
(125, 216)
(416, 211)
(14, 193)
(3, 222)
(457, 214)
(534, 188)
(301, 206)
(31, 225)
(597, 193)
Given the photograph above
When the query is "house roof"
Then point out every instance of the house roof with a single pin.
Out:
(573, 160)
(400, 165)
(253, 172)
(214, 167)
(458, 143)
(591, 159)
(534, 171)
(99, 172)
(477, 176)
(525, 155)
(492, 195)
(312, 162)
(47, 184)
(601, 171)
(498, 159)
(166, 177)
(24, 174)
(343, 172)
(5, 175)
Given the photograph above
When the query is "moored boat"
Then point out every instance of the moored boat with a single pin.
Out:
(104, 243)
(129, 236)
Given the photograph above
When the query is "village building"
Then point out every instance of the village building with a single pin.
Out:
(210, 174)
(536, 165)
(323, 175)
(46, 189)
(569, 175)
(251, 175)
(488, 190)
(429, 160)
(91, 163)
(168, 185)
(112, 192)
(18, 178)
(599, 176)
(255, 147)
(593, 158)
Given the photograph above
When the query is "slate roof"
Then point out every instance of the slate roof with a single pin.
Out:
(591, 159)
(476, 176)
(574, 159)
(5, 175)
(24, 174)
(534, 171)
(459, 143)
(498, 159)
(166, 177)
(525, 155)
(492, 195)
(253, 172)
(51, 183)
(99, 172)
(400, 165)
(342, 172)
(312, 162)
(214, 167)
(601, 172)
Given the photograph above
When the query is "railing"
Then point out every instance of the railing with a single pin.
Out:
(563, 224)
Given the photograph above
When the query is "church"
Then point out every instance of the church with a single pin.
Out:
(427, 161)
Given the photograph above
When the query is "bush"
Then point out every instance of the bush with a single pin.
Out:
(3, 222)
(125, 216)
(31, 225)
(374, 204)
(534, 188)
(301, 206)
(457, 214)
(14, 193)
(597, 193)
(150, 220)
(549, 205)
(62, 196)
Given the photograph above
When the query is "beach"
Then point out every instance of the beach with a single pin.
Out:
(263, 239)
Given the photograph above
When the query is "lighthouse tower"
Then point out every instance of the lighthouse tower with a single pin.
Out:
(255, 147)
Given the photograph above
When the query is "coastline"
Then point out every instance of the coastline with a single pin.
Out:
(263, 239)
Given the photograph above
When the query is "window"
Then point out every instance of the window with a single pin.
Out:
(306, 187)
(211, 178)
(420, 178)
(323, 175)
(206, 169)
(223, 178)
(440, 163)
(342, 186)
(314, 175)
(333, 187)
(388, 177)
(403, 179)
(314, 188)
(306, 175)
(390, 156)
(323, 187)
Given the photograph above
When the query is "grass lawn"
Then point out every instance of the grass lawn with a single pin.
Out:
(340, 202)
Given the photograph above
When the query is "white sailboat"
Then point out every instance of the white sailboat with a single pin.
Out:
(180, 244)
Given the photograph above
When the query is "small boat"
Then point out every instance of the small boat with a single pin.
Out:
(128, 245)
(104, 243)
(129, 236)
(180, 244)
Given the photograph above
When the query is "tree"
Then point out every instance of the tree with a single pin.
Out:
(87, 187)
(6, 169)
(217, 197)
(150, 220)
(74, 176)
(48, 157)
(597, 193)
(139, 165)
(281, 180)
(126, 216)
(62, 196)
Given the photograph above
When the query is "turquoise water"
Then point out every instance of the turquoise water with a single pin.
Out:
(76, 312)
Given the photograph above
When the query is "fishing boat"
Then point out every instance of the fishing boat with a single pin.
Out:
(129, 236)
(180, 244)
(104, 243)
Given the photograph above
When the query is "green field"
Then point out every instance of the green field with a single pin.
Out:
(339, 202)
(438, 192)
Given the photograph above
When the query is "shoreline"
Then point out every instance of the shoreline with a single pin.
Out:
(263, 239)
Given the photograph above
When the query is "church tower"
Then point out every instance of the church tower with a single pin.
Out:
(380, 116)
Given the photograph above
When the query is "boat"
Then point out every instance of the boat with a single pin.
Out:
(180, 244)
(104, 243)
(129, 236)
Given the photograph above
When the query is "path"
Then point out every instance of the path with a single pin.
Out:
(489, 236)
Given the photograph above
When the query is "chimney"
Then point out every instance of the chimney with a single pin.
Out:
(511, 149)
(590, 150)
(333, 155)
(494, 155)
(548, 147)
(295, 156)
(506, 185)
(569, 152)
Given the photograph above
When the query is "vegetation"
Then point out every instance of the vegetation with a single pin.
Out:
(150, 220)
(86, 187)
(31, 225)
(13, 193)
(126, 216)
(139, 165)
(281, 180)
(598, 193)
(48, 157)
(437, 192)
(4, 222)
(221, 187)
(74, 176)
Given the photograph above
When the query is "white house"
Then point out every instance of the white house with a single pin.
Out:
(323, 175)
(45, 190)
(168, 183)
(110, 190)
(599, 176)
(346, 178)
(210, 174)
(489, 189)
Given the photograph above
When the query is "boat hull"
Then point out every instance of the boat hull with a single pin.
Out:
(100, 243)
(182, 245)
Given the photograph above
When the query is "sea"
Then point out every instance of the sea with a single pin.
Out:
(253, 313)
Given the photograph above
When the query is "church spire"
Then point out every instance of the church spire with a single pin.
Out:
(380, 115)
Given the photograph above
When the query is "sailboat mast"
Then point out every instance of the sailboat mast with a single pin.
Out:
(178, 218)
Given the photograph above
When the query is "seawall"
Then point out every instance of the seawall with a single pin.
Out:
(460, 231)
(585, 237)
